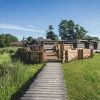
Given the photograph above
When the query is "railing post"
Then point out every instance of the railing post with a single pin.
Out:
(61, 50)
(42, 51)
(63, 60)
(42, 47)
(80, 53)
(66, 56)
(91, 55)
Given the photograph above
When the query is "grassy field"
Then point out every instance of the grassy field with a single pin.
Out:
(82, 79)
(14, 75)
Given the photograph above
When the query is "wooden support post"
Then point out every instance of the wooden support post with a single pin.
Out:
(42, 51)
(91, 55)
(61, 50)
(42, 47)
(66, 56)
(57, 51)
(41, 57)
(80, 54)
(63, 60)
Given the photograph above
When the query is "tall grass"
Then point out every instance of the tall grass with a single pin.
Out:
(13, 75)
(4, 57)
(8, 49)
(82, 79)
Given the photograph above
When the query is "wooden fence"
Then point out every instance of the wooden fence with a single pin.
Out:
(70, 55)
(65, 53)
(29, 56)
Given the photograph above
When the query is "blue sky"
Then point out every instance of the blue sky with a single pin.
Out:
(32, 17)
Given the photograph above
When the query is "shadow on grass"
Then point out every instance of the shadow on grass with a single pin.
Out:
(22, 90)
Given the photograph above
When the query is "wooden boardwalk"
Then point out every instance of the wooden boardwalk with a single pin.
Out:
(49, 84)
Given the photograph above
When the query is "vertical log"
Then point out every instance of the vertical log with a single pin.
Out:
(61, 50)
(91, 53)
(42, 51)
(42, 47)
(80, 53)
(57, 51)
(63, 60)
(66, 56)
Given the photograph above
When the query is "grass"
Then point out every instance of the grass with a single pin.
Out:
(82, 79)
(5, 53)
(14, 75)
(8, 49)
(4, 57)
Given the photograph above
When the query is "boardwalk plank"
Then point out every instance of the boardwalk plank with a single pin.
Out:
(49, 84)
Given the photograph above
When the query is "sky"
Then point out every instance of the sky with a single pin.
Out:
(32, 17)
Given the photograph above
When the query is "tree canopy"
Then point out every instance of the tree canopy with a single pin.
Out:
(6, 39)
(71, 31)
(29, 39)
(50, 34)
(87, 37)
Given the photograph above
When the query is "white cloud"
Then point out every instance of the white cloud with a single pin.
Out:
(15, 27)
(30, 26)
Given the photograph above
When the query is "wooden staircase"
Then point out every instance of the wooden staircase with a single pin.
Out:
(50, 56)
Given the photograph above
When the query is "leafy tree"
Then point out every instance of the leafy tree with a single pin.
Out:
(80, 32)
(30, 39)
(96, 38)
(71, 31)
(66, 29)
(2, 44)
(50, 34)
(87, 37)
(34, 41)
(51, 27)
(6, 39)
(40, 38)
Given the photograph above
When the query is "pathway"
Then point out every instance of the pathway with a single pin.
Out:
(49, 84)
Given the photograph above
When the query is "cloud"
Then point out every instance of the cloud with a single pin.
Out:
(15, 27)
(30, 26)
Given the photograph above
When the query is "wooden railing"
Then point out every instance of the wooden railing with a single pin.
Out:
(70, 55)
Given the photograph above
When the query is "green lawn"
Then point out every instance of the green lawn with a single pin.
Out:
(82, 78)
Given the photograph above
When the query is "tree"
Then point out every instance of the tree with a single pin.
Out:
(71, 31)
(66, 29)
(29, 39)
(40, 38)
(2, 44)
(6, 39)
(80, 32)
(50, 34)
(87, 37)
